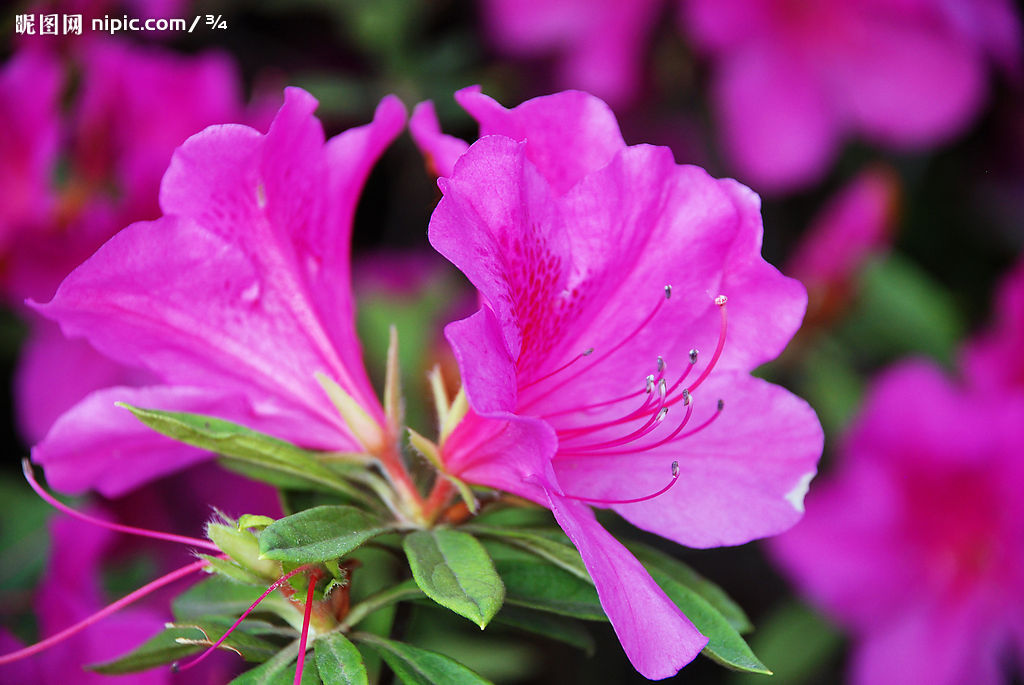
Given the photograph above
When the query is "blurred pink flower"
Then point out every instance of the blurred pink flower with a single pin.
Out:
(994, 360)
(791, 79)
(916, 542)
(234, 299)
(600, 45)
(571, 239)
(854, 226)
(29, 96)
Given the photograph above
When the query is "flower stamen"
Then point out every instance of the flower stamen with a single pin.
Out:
(594, 500)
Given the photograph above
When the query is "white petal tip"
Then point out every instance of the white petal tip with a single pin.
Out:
(796, 496)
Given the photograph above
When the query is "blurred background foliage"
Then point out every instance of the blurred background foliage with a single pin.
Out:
(959, 226)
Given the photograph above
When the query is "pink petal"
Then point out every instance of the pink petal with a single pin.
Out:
(440, 150)
(777, 124)
(543, 122)
(907, 85)
(741, 478)
(656, 636)
(54, 373)
(96, 445)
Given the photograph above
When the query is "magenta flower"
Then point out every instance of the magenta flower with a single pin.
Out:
(29, 91)
(600, 46)
(854, 226)
(916, 542)
(792, 80)
(237, 300)
(587, 383)
(993, 361)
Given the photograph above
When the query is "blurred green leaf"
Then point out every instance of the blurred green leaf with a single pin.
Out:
(318, 534)
(797, 642)
(24, 538)
(280, 670)
(338, 661)
(830, 383)
(415, 666)
(900, 310)
(218, 596)
(454, 570)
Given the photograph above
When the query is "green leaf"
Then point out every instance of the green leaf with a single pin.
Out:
(454, 570)
(549, 544)
(415, 666)
(280, 670)
(257, 450)
(253, 521)
(725, 645)
(652, 558)
(339, 662)
(317, 534)
(244, 640)
(566, 630)
(156, 651)
(533, 583)
(218, 596)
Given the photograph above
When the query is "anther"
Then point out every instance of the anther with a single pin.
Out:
(668, 292)
(720, 300)
(721, 405)
(650, 383)
(589, 351)
(662, 414)
(686, 397)
(661, 364)
(662, 388)
(693, 356)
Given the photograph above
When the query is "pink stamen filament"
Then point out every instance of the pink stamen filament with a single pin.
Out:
(651, 424)
(633, 450)
(103, 613)
(711, 419)
(26, 468)
(604, 355)
(273, 586)
(720, 302)
(561, 368)
(642, 410)
(305, 629)
(594, 500)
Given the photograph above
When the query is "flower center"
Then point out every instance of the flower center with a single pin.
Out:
(639, 426)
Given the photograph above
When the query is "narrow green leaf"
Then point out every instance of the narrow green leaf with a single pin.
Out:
(652, 558)
(542, 543)
(415, 666)
(156, 651)
(339, 662)
(725, 645)
(317, 534)
(534, 583)
(566, 630)
(454, 570)
(258, 450)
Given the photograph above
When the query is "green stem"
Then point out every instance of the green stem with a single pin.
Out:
(406, 590)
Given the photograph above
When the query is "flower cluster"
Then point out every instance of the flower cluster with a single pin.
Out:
(623, 304)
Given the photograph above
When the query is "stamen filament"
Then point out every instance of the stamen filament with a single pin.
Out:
(698, 429)
(103, 613)
(273, 586)
(305, 629)
(593, 500)
(563, 367)
(720, 302)
(26, 467)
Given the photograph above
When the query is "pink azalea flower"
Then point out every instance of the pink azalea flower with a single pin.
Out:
(586, 382)
(855, 225)
(792, 80)
(915, 542)
(993, 360)
(236, 299)
(600, 45)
